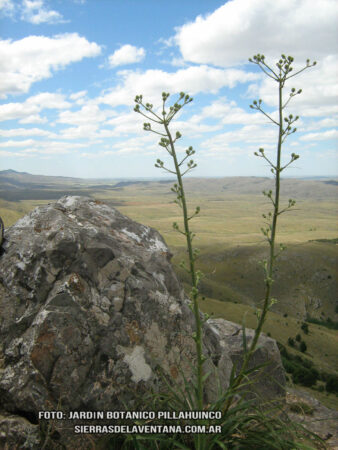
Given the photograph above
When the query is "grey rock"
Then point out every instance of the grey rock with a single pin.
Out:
(270, 377)
(90, 307)
(18, 432)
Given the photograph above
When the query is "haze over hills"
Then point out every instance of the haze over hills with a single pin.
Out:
(22, 182)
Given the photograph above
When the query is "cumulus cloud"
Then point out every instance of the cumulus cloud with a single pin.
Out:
(35, 12)
(31, 59)
(11, 143)
(34, 118)
(241, 28)
(30, 108)
(31, 147)
(250, 134)
(124, 124)
(320, 136)
(32, 11)
(6, 7)
(194, 79)
(127, 54)
(16, 132)
(228, 113)
(78, 95)
(319, 85)
(89, 114)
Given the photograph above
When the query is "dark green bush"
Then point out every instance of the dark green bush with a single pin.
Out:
(301, 369)
(303, 347)
(304, 376)
(328, 323)
(332, 384)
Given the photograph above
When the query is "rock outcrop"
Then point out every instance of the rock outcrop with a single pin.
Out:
(90, 307)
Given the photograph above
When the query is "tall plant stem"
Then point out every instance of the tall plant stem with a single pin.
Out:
(168, 142)
(284, 66)
(272, 239)
(194, 291)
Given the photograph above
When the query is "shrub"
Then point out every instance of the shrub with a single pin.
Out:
(305, 327)
(332, 384)
(291, 342)
(328, 323)
(303, 347)
(304, 376)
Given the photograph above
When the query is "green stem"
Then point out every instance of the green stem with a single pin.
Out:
(272, 257)
(198, 338)
(272, 239)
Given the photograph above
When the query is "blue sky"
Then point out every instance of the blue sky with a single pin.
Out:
(70, 70)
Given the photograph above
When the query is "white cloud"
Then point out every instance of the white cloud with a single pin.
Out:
(127, 123)
(139, 145)
(34, 118)
(227, 112)
(34, 58)
(87, 131)
(89, 114)
(193, 80)
(6, 7)
(32, 11)
(31, 147)
(248, 134)
(319, 86)
(77, 95)
(48, 100)
(191, 128)
(5, 153)
(328, 122)
(30, 108)
(320, 136)
(241, 28)
(35, 12)
(127, 54)
(15, 132)
(143, 145)
(178, 62)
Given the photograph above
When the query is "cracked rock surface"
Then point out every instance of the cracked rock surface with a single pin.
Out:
(90, 307)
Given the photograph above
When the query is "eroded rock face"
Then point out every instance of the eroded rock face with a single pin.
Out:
(89, 308)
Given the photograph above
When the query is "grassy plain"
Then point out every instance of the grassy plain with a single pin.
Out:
(228, 235)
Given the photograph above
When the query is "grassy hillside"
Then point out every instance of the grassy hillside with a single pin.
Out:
(305, 277)
(322, 343)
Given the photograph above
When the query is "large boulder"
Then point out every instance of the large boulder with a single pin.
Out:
(90, 307)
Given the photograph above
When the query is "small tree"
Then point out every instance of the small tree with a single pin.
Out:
(303, 347)
(291, 342)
